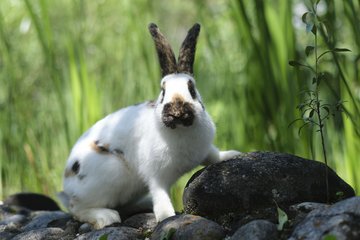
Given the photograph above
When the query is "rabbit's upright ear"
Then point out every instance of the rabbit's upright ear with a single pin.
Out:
(165, 53)
(187, 51)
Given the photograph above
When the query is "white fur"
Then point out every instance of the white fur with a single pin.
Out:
(152, 158)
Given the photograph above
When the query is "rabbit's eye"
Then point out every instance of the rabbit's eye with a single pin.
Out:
(191, 88)
(76, 167)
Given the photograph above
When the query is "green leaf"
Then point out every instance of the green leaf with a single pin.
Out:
(294, 63)
(341, 50)
(314, 29)
(294, 121)
(325, 30)
(168, 235)
(311, 113)
(304, 17)
(309, 50)
(309, 27)
(329, 237)
(314, 80)
(340, 195)
(301, 106)
(326, 109)
(104, 237)
(282, 218)
(309, 19)
(304, 125)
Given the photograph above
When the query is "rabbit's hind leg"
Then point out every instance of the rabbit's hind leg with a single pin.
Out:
(98, 217)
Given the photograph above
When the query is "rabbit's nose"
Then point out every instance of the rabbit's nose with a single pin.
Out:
(178, 113)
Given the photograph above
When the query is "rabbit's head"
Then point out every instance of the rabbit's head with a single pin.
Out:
(179, 102)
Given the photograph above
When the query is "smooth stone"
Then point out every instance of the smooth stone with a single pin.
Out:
(256, 230)
(40, 234)
(43, 219)
(188, 227)
(341, 220)
(112, 233)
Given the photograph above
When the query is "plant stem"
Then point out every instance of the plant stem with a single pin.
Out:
(318, 113)
(321, 130)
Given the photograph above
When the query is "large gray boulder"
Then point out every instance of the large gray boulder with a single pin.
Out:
(249, 187)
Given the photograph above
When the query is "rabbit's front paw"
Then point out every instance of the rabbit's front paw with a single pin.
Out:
(99, 217)
(226, 155)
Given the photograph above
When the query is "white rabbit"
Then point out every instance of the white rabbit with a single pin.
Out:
(143, 148)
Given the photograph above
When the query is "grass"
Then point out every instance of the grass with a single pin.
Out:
(65, 64)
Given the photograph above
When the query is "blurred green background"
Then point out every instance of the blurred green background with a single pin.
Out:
(66, 64)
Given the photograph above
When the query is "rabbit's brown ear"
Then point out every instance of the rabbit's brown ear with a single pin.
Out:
(165, 53)
(187, 51)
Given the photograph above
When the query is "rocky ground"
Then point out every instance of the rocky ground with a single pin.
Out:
(260, 195)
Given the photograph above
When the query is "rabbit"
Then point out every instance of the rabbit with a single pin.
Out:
(143, 148)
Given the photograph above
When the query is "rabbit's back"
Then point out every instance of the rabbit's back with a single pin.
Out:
(98, 171)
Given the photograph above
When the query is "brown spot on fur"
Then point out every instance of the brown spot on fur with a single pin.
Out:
(177, 98)
(99, 147)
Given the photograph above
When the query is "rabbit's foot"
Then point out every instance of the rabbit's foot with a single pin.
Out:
(162, 211)
(162, 203)
(216, 156)
(226, 155)
(98, 217)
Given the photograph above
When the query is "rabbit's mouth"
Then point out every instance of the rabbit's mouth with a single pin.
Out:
(178, 113)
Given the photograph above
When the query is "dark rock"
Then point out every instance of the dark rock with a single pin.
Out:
(85, 227)
(341, 220)
(256, 230)
(306, 207)
(32, 201)
(142, 205)
(8, 231)
(16, 219)
(188, 227)
(12, 219)
(71, 229)
(46, 219)
(112, 233)
(296, 214)
(253, 182)
(40, 234)
(145, 222)
(8, 211)
(5, 212)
